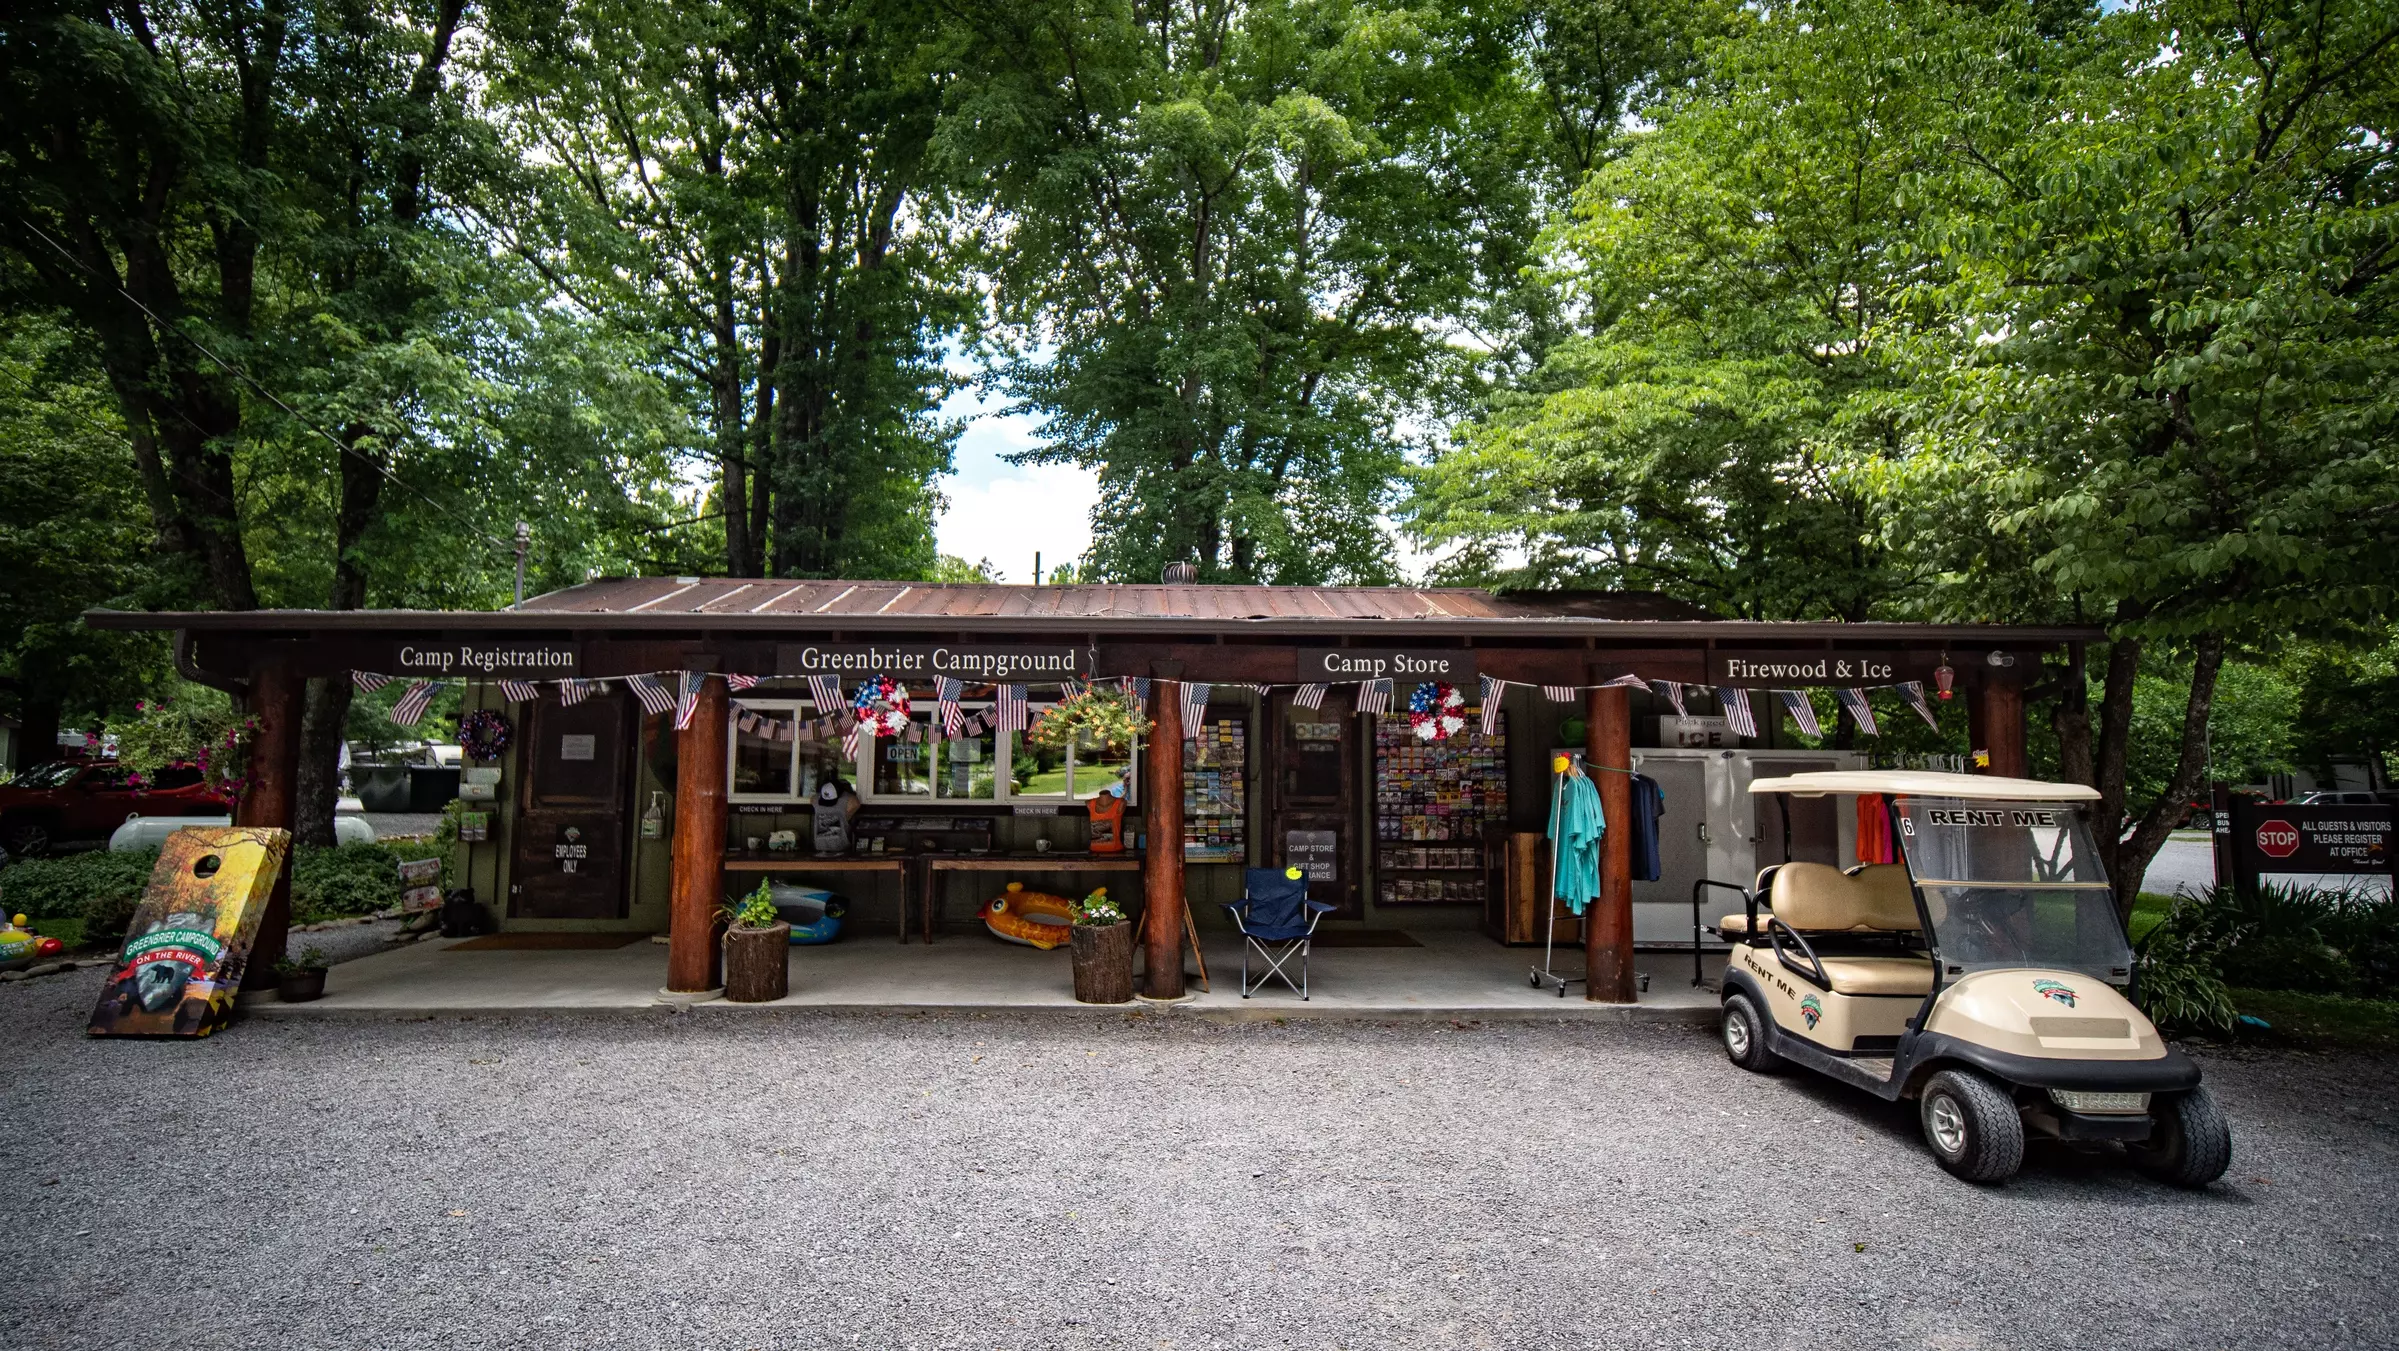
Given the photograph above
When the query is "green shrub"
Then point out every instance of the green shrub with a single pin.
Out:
(2177, 992)
(99, 888)
(349, 879)
(2282, 938)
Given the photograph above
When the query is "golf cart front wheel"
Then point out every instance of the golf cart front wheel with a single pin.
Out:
(1972, 1126)
(1745, 1037)
(2189, 1143)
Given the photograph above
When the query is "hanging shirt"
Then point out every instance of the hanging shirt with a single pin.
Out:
(1874, 830)
(1575, 827)
(1649, 803)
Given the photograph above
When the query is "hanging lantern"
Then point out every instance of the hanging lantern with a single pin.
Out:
(1943, 678)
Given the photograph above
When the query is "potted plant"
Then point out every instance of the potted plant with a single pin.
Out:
(1103, 951)
(757, 950)
(303, 980)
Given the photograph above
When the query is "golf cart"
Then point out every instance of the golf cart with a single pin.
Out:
(1982, 976)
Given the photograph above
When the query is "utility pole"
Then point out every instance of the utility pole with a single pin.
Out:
(524, 540)
(1037, 567)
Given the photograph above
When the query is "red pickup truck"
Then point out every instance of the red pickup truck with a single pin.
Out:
(71, 800)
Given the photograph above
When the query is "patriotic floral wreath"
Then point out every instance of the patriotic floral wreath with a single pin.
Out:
(483, 734)
(1436, 711)
(882, 706)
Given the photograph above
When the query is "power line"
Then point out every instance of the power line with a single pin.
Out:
(267, 394)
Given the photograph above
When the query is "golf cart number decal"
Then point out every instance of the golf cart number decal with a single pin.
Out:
(1955, 816)
(2050, 989)
(1812, 1009)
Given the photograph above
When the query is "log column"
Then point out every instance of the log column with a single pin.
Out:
(2000, 727)
(1608, 929)
(692, 959)
(1162, 859)
(274, 704)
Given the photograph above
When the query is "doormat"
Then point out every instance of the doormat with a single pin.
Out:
(1364, 938)
(538, 942)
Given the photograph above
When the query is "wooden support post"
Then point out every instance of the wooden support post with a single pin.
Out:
(2000, 729)
(692, 959)
(275, 703)
(1163, 906)
(1608, 929)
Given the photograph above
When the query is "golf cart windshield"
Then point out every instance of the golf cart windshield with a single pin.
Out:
(2013, 884)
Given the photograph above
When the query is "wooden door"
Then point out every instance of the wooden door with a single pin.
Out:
(571, 839)
(1311, 776)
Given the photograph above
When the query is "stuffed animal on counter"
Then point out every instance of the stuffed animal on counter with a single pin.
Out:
(1033, 918)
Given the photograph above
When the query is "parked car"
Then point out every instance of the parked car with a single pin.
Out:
(2346, 797)
(73, 801)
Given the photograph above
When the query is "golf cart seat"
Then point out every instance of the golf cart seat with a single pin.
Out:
(1820, 898)
(1912, 976)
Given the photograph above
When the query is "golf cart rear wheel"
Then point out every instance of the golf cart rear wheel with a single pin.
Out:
(2189, 1143)
(1745, 1037)
(1972, 1126)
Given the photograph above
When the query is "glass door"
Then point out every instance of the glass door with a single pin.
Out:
(1310, 760)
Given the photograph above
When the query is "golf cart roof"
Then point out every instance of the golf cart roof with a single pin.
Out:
(1925, 783)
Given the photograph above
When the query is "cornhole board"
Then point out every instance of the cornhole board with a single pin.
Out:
(190, 940)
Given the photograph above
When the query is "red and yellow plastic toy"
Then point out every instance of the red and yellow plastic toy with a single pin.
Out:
(1033, 918)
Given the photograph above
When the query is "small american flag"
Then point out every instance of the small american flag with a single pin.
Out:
(1493, 688)
(411, 707)
(1008, 709)
(849, 740)
(1141, 690)
(1563, 694)
(1309, 696)
(1913, 692)
(738, 683)
(1624, 682)
(1374, 696)
(946, 693)
(1860, 712)
(367, 682)
(687, 702)
(824, 692)
(573, 692)
(1195, 706)
(976, 725)
(655, 697)
(1802, 711)
(1672, 691)
(1071, 689)
(1737, 717)
(519, 691)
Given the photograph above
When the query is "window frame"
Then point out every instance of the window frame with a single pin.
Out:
(862, 765)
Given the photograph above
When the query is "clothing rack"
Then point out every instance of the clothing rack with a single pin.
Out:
(1567, 765)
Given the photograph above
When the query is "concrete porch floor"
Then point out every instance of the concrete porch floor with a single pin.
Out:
(1455, 974)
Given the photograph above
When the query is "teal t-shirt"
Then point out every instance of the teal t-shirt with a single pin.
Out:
(1575, 830)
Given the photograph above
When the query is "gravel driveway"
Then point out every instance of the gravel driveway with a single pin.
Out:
(725, 1179)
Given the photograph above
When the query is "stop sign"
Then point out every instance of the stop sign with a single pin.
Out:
(2277, 839)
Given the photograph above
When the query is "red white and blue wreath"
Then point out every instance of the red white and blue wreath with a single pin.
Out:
(882, 707)
(483, 734)
(1436, 711)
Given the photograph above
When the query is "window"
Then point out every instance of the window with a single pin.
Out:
(988, 767)
(766, 768)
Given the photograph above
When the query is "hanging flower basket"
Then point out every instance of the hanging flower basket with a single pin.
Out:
(1101, 717)
(1436, 711)
(483, 735)
(882, 707)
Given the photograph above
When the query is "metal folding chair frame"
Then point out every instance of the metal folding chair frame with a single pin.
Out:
(1266, 948)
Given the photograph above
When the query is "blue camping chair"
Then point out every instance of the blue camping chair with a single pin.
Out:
(1276, 920)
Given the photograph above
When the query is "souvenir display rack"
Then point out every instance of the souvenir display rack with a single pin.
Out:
(1435, 802)
(1216, 792)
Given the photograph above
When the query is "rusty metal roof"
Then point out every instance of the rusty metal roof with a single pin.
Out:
(782, 605)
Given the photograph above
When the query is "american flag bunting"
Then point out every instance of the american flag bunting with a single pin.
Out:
(1737, 715)
(1309, 696)
(1008, 709)
(1374, 696)
(411, 708)
(1913, 692)
(1195, 706)
(1672, 690)
(946, 692)
(687, 700)
(1802, 710)
(367, 682)
(1563, 694)
(824, 692)
(519, 691)
(655, 697)
(738, 683)
(1493, 688)
(1860, 712)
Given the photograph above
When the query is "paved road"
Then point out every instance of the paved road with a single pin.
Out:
(699, 1181)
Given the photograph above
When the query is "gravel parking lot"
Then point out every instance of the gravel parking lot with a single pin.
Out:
(726, 1179)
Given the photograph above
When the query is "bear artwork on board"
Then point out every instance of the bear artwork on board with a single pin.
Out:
(190, 940)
